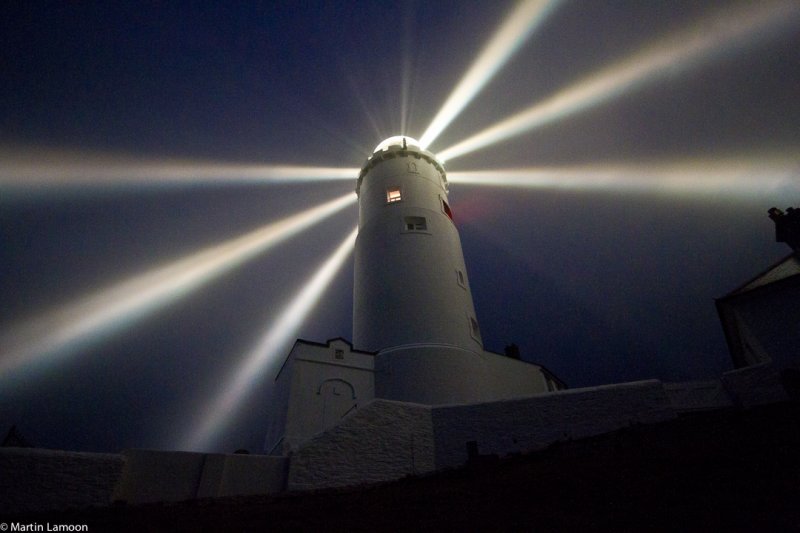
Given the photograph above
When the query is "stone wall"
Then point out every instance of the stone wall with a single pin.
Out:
(35, 480)
(527, 424)
(691, 396)
(388, 440)
(382, 441)
(755, 385)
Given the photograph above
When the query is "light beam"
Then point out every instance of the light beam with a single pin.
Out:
(44, 169)
(61, 331)
(516, 29)
(759, 20)
(268, 350)
(744, 177)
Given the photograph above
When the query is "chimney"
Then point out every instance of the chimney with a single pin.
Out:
(787, 226)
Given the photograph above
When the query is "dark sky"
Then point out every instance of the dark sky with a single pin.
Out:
(600, 286)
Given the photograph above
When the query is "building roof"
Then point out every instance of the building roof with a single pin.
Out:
(325, 344)
(787, 267)
(775, 285)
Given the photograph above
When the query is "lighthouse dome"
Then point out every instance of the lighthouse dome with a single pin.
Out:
(400, 141)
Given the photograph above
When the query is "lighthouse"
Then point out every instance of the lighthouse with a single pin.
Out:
(412, 303)
(416, 337)
(411, 298)
(411, 285)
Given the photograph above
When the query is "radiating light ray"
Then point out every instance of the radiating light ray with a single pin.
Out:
(60, 332)
(269, 350)
(728, 178)
(516, 29)
(370, 112)
(406, 67)
(759, 20)
(405, 93)
(48, 169)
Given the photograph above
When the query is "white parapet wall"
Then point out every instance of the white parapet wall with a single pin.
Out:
(33, 480)
(755, 385)
(388, 440)
(36, 480)
(528, 424)
(693, 396)
(160, 476)
(383, 441)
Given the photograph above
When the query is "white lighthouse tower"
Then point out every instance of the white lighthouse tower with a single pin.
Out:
(412, 300)
(411, 285)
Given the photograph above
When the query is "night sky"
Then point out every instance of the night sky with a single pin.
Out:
(599, 284)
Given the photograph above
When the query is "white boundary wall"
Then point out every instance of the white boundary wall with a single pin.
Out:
(158, 476)
(528, 424)
(387, 440)
(34, 480)
(381, 441)
(42, 480)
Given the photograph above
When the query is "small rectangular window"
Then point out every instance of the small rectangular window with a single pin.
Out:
(461, 279)
(393, 194)
(338, 354)
(416, 224)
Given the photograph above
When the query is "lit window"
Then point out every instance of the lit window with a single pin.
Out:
(393, 195)
(416, 224)
(446, 209)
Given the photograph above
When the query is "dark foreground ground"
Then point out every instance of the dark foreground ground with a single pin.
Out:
(724, 471)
